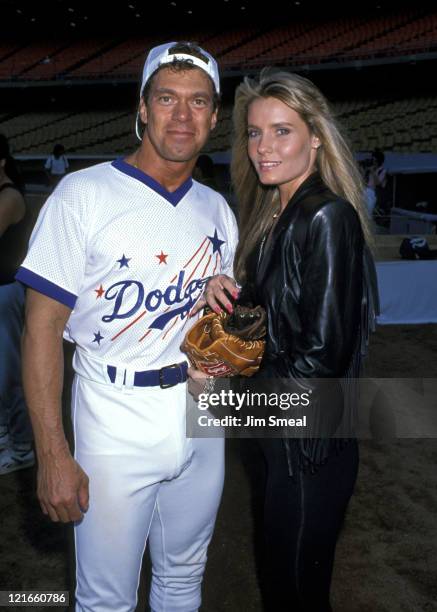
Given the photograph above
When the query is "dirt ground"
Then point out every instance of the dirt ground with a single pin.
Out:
(387, 554)
(386, 558)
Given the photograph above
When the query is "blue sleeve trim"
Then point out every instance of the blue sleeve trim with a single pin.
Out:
(41, 284)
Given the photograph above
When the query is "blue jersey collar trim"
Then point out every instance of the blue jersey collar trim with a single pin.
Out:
(174, 197)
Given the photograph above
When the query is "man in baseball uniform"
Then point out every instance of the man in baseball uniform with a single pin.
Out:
(118, 258)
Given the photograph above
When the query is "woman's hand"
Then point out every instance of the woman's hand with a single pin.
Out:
(215, 294)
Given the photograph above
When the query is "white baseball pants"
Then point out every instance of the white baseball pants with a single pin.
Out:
(147, 480)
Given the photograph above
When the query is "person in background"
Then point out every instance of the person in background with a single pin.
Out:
(382, 185)
(16, 437)
(379, 170)
(56, 164)
(369, 178)
(204, 171)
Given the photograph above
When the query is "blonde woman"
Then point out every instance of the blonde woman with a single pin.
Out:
(302, 255)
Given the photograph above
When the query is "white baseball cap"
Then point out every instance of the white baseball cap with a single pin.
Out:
(162, 55)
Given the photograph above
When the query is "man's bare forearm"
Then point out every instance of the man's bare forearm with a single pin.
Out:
(62, 484)
(43, 371)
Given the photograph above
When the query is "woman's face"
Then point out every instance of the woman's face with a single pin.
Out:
(280, 146)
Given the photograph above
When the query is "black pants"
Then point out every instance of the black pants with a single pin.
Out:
(302, 520)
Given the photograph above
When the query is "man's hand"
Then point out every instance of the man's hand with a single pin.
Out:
(62, 484)
(196, 382)
(62, 488)
(215, 296)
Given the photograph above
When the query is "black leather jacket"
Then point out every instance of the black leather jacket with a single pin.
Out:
(316, 279)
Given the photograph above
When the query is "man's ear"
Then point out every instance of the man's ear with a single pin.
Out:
(142, 111)
(214, 119)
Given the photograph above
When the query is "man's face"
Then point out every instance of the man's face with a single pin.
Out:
(179, 113)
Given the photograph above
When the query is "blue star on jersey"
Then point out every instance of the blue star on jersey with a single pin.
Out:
(216, 242)
(124, 261)
(98, 338)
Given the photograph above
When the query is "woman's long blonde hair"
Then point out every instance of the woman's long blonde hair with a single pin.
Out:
(335, 162)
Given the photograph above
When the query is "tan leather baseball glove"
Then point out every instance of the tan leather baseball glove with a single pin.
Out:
(224, 345)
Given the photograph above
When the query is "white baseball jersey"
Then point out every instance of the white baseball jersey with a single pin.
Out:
(130, 259)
